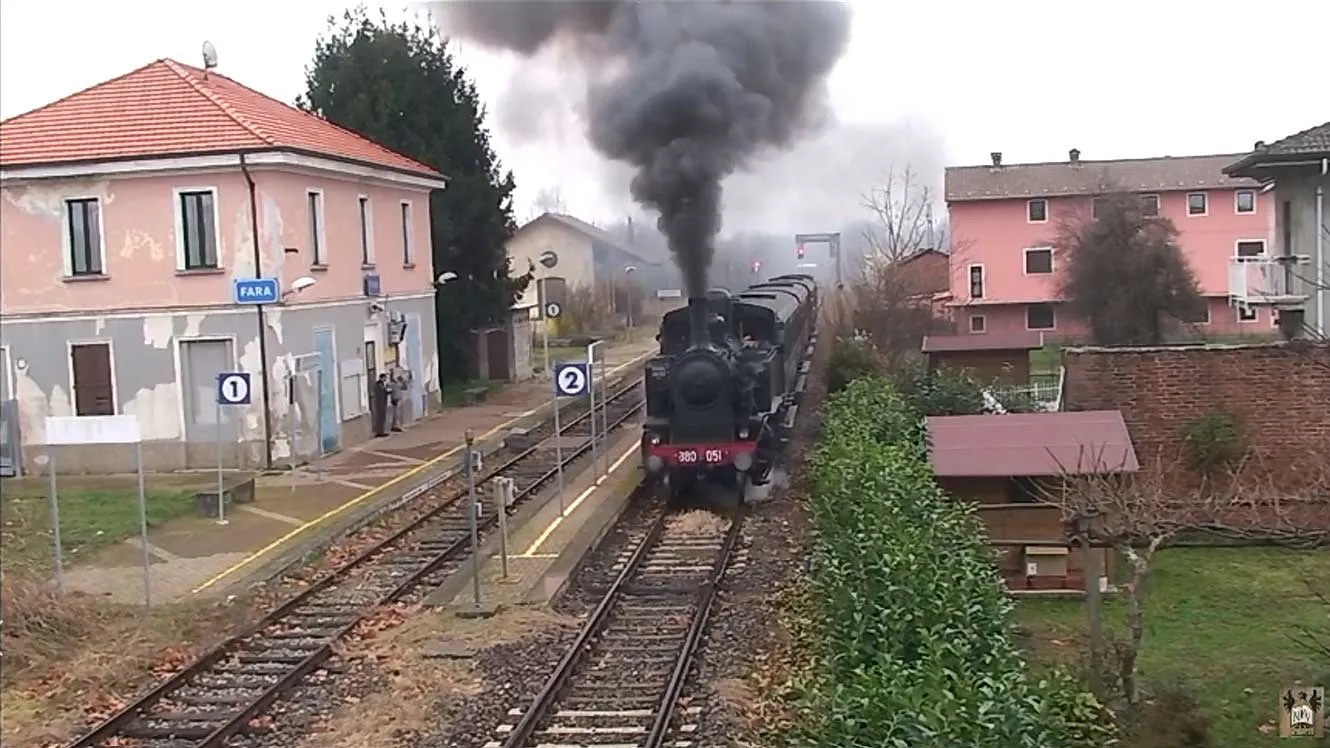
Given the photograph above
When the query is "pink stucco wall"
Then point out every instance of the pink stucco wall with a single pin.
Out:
(995, 233)
(139, 228)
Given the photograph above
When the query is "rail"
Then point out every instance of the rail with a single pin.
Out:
(624, 403)
(619, 591)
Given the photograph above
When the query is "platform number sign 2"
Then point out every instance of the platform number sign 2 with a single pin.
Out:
(233, 388)
(570, 379)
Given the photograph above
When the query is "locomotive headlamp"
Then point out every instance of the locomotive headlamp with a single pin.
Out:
(743, 433)
(743, 461)
(654, 439)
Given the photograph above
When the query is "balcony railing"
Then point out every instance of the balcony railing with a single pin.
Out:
(1269, 281)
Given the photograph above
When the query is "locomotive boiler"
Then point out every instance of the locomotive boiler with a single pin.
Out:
(719, 391)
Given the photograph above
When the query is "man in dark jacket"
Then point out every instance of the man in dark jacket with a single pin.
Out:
(379, 405)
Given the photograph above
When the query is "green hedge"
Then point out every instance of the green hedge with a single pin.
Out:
(918, 647)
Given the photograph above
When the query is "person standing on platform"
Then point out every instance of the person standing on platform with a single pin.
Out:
(379, 405)
(396, 386)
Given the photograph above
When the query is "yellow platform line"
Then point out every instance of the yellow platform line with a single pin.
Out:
(530, 552)
(362, 498)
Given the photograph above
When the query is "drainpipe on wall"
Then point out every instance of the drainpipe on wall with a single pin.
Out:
(263, 337)
(1322, 291)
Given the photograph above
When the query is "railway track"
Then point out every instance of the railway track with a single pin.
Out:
(224, 692)
(620, 682)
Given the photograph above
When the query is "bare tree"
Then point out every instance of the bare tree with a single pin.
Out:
(548, 200)
(1141, 513)
(903, 207)
(891, 300)
(1124, 273)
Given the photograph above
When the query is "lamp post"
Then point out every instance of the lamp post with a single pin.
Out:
(628, 292)
(548, 260)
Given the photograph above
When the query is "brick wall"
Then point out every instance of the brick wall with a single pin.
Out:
(1281, 390)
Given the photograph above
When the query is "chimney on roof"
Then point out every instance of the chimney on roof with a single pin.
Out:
(997, 158)
(1074, 155)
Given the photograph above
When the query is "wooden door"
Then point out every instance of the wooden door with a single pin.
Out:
(93, 390)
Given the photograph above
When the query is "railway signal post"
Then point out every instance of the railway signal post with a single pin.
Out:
(832, 240)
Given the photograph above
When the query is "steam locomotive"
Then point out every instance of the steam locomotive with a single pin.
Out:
(722, 392)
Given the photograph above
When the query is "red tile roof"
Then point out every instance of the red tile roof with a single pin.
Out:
(1031, 444)
(989, 341)
(166, 109)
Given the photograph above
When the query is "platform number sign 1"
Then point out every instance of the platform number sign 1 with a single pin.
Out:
(233, 388)
(570, 379)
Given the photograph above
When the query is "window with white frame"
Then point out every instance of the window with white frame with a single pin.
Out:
(1244, 201)
(976, 281)
(1197, 204)
(1036, 211)
(978, 323)
(1040, 317)
(408, 246)
(1150, 205)
(83, 237)
(1039, 261)
(366, 232)
(1097, 206)
(318, 251)
(1247, 313)
(1251, 248)
(198, 229)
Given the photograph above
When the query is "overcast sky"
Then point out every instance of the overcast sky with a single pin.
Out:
(932, 83)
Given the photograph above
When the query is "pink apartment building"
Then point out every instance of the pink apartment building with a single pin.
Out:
(1003, 217)
(130, 210)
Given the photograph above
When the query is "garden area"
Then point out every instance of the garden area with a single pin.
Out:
(913, 640)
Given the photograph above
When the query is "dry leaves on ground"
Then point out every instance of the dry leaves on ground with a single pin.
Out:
(398, 642)
(72, 658)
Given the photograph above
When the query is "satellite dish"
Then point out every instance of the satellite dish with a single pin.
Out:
(209, 56)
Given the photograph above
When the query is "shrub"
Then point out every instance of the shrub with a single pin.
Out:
(948, 392)
(917, 646)
(1170, 718)
(1215, 440)
(851, 358)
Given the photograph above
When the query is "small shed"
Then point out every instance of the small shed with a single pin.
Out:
(1002, 463)
(1004, 356)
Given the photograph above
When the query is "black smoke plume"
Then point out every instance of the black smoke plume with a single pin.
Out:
(685, 92)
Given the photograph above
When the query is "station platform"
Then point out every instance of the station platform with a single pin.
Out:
(546, 541)
(301, 512)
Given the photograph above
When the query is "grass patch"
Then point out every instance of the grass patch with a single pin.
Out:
(557, 354)
(1046, 360)
(95, 512)
(1218, 620)
(453, 394)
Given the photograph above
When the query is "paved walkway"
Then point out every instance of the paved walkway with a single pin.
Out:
(297, 512)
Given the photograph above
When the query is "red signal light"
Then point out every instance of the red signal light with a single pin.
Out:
(757, 265)
(799, 251)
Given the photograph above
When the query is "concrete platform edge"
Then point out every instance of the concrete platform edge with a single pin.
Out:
(444, 595)
(587, 539)
(320, 539)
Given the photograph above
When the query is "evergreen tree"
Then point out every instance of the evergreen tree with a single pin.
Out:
(398, 84)
(1124, 273)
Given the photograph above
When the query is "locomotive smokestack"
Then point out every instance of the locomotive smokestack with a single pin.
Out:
(697, 321)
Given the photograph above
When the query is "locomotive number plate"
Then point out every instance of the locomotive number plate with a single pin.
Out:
(705, 456)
